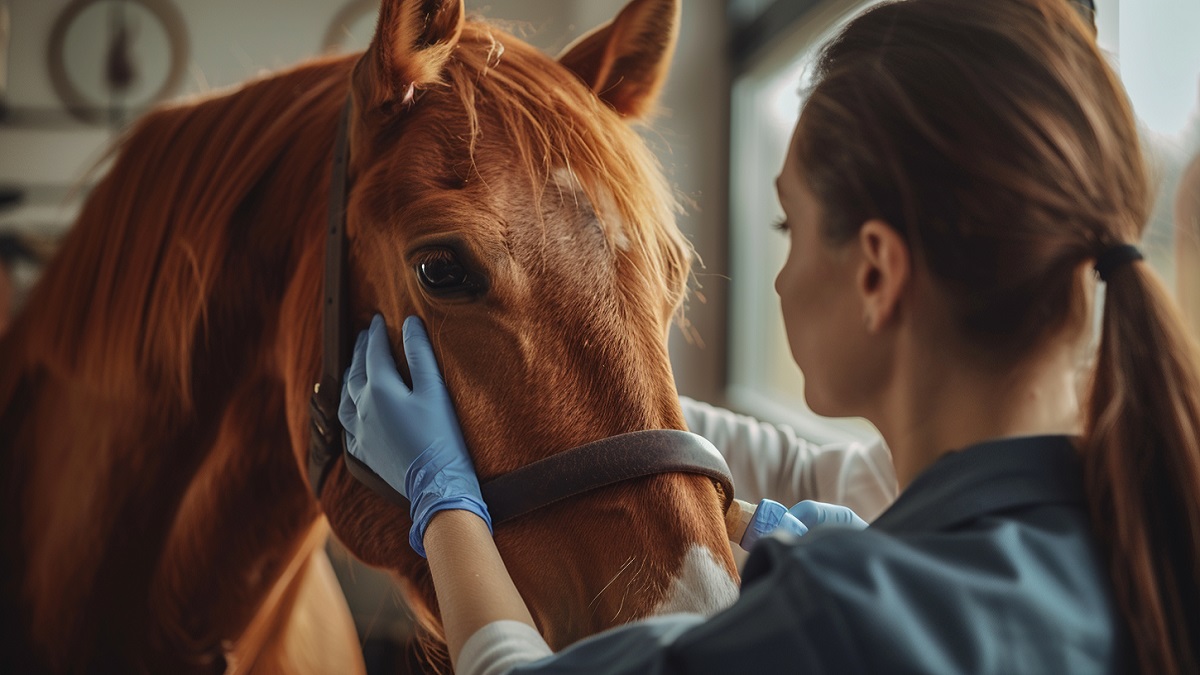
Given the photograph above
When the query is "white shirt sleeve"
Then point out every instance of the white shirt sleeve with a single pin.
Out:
(499, 647)
(770, 461)
(503, 646)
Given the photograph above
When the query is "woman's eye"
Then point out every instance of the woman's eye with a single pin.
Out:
(443, 273)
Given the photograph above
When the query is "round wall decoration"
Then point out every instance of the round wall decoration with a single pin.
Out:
(110, 59)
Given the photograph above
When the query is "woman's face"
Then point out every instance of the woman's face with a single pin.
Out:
(822, 311)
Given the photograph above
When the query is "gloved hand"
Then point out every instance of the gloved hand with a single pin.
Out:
(771, 516)
(819, 514)
(411, 438)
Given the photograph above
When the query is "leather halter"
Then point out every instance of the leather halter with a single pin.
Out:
(595, 465)
(602, 463)
(326, 440)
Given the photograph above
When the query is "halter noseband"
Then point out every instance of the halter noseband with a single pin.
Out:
(602, 463)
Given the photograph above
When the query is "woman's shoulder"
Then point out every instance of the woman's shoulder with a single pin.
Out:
(1004, 593)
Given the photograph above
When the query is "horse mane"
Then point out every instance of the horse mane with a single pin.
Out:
(124, 303)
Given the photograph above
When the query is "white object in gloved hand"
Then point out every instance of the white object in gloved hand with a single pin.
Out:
(819, 514)
(768, 517)
(771, 516)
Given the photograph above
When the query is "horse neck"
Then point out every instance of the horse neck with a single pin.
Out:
(622, 562)
(179, 487)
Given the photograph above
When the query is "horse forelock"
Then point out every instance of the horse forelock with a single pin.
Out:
(124, 307)
(503, 103)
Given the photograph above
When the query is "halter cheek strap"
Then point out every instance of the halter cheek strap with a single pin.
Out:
(1114, 257)
(326, 442)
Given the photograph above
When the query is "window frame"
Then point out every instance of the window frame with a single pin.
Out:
(765, 38)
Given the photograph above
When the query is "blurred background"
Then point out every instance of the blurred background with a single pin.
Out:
(74, 74)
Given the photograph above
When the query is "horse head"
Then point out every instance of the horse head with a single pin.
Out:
(154, 392)
(507, 199)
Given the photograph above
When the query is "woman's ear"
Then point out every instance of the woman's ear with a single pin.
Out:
(626, 60)
(884, 274)
(414, 39)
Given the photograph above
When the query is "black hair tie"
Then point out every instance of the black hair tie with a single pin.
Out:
(1114, 257)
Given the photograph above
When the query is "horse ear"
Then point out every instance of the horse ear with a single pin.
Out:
(626, 60)
(413, 41)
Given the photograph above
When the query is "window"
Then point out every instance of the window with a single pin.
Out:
(1154, 47)
(763, 378)
(1151, 42)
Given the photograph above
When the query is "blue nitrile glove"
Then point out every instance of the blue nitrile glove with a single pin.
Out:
(819, 514)
(411, 438)
(771, 516)
(768, 517)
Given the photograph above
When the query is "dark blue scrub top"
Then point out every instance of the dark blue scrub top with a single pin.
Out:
(985, 564)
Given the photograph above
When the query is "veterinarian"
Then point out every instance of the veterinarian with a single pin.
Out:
(961, 174)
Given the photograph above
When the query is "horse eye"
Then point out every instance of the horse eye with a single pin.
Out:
(443, 273)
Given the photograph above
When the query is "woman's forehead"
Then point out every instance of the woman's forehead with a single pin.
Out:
(788, 180)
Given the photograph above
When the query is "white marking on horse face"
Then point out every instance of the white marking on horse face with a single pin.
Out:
(607, 217)
(702, 585)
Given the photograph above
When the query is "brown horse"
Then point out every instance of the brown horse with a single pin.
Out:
(154, 393)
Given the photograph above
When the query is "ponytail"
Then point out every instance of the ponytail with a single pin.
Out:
(1141, 453)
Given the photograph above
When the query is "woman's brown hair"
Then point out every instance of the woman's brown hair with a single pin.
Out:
(995, 138)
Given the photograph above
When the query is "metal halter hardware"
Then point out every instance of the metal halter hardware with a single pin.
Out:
(567, 474)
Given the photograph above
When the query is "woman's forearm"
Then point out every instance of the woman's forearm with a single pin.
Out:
(474, 588)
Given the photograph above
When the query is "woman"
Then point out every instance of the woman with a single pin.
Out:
(960, 172)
